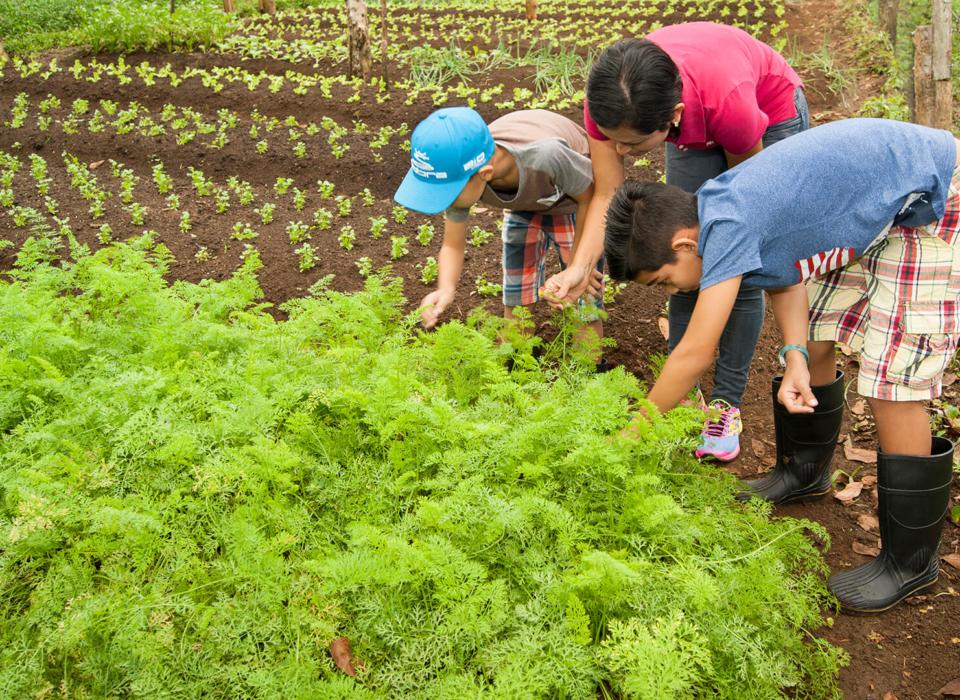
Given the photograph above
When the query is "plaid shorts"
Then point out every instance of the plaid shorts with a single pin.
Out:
(527, 237)
(899, 306)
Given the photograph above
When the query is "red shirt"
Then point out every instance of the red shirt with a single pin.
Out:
(734, 86)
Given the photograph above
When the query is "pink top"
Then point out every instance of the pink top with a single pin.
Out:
(734, 86)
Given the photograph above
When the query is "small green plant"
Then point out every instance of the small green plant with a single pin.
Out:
(344, 206)
(364, 265)
(262, 147)
(377, 226)
(487, 289)
(221, 201)
(322, 219)
(243, 232)
(307, 257)
(138, 214)
(297, 232)
(282, 185)
(425, 233)
(398, 247)
(299, 199)
(366, 196)
(325, 188)
(185, 222)
(429, 270)
(104, 234)
(202, 254)
(347, 237)
(479, 236)
(266, 212)
(163, 181)
(400, 215)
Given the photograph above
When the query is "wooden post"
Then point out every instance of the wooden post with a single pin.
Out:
(268, 6)
(358, 39)
(228, 6)
(173, 6)
(923, 75)
(942, 21)
(384, 54)
(3, 54)
(531, 10)
(888, 10)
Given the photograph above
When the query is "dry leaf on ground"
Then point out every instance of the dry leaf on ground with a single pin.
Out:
(868, 550)
(858, 454)
(953, 560)
(889, 696)
(342, 655)
(849, 492)
(869, 480)
(868, 522)
(664, 326)
(845, 349)
(949, 378)
(951, 689)
(759, 448)
(859, 407)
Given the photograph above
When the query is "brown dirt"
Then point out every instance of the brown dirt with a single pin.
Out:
(911, 651)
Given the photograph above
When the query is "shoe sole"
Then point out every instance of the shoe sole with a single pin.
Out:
(805, 497)
(867, 611)
(721, 457)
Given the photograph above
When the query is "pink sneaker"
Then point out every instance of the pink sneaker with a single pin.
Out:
(720, 438)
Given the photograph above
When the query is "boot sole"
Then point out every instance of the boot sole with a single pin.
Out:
(867, 611)
(805, 497)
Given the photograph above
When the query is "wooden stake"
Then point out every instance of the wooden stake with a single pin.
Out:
(384, 54)
(228, 6)
(268, 6)
(3, 54)
(942, 23)
(358, 39)
(923, 75)
(531, 10)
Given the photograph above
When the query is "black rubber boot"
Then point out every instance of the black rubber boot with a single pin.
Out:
(914, 496)
(805, 445)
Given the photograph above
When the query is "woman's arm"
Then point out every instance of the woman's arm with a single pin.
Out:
(608, 175)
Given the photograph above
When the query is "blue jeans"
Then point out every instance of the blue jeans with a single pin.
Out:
(688, 170)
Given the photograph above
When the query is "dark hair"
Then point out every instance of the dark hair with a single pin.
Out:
(634, 84)
(641, 221)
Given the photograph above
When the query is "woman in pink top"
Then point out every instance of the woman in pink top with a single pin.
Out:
(714, 96)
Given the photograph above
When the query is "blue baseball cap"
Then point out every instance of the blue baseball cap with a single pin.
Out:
(446, 149)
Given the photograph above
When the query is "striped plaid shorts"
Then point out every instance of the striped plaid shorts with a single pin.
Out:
(527, 236)
(898, 305)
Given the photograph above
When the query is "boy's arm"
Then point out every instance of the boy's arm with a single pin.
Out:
(694, 353)
(608, 175)
(791, 309)
(450, 265)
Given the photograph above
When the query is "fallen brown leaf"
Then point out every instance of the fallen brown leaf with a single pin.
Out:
(869, 480)
(858, 454)
(951, 689)
(664, 326)
(759, 448)
(858, 407)
(849, 492)
(845, 349)
(342, 655)
(867, 550)
(889, 696)
(953, 560)
(868, 523)
(949, 378)
(96, 164)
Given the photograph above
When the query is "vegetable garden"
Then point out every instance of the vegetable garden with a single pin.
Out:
(227, 443)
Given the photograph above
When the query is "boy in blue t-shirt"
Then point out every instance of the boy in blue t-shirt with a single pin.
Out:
(854, 230)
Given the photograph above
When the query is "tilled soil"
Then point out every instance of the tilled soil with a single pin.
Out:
(911, 651)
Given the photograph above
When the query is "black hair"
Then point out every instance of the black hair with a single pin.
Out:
(635, 84)
(641, 222)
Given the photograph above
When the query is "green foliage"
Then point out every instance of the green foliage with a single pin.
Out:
(195, 499)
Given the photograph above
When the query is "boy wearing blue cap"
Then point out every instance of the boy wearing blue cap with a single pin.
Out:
(532, 163)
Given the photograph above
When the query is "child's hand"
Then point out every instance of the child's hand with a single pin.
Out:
(436, 303)
(795, 393)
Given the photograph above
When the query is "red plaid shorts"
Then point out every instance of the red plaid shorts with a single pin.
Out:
(527, 237)
(899, 306)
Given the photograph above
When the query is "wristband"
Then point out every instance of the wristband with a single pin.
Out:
(781, 355)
